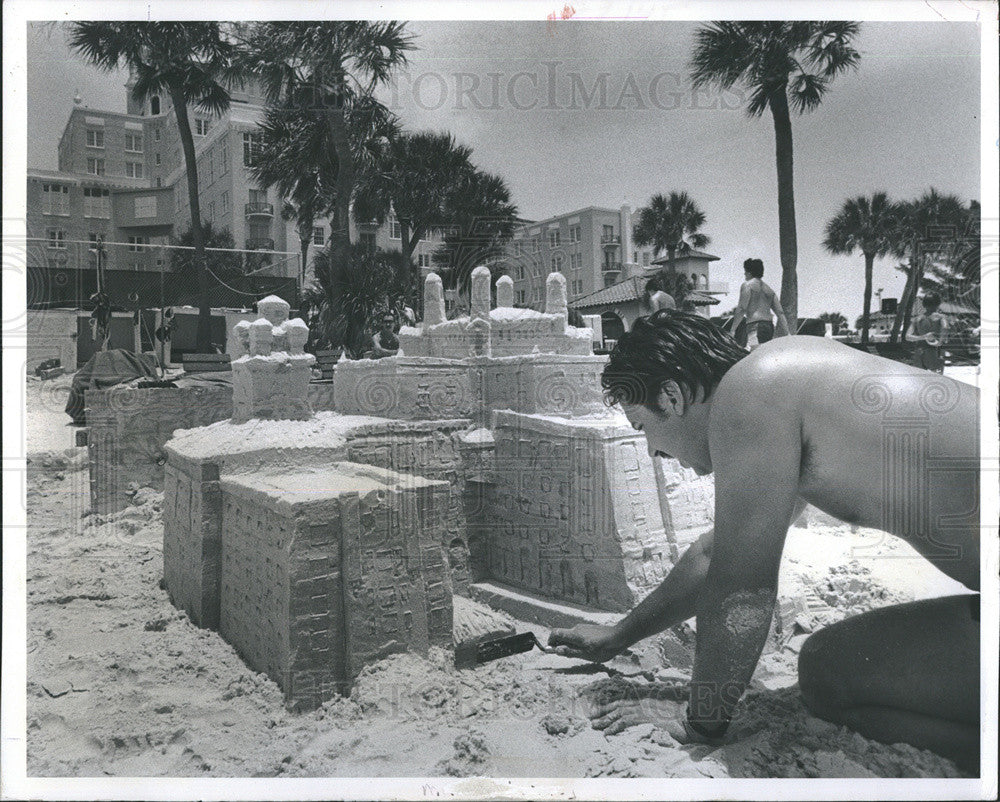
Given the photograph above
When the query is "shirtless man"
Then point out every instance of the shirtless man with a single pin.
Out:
(757, 301)
(929, 331)
(655, 298)
(805, 419)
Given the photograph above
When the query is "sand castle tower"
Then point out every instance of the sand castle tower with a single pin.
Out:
(271, 372)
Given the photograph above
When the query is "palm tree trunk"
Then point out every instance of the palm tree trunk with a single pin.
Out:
(788, 243)
(867, 308)
(304, 242)
(907, 299)
(204, 335)
(340, 235)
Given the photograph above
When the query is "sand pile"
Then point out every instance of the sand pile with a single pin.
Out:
(121, 683)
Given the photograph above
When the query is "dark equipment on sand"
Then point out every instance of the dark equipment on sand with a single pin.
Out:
(470, 655)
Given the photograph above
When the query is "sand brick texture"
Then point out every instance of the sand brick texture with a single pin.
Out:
(324, 572)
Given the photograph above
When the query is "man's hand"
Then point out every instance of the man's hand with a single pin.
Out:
(586, 641)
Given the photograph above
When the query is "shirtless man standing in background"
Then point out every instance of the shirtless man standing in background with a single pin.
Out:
(757, 301)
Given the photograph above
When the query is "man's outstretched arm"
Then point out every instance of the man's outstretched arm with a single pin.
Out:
(674, 600)
(756, 458)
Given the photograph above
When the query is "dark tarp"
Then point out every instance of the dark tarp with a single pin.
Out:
(106, 369)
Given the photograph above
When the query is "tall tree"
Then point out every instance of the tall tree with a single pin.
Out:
(671, 224)
(297, 157)
(927, 229)
(836, 320)
(955, 275)
(784, 65)
(482, 220)
(418, 179)
(192, 62)
(868, 224)
(323, 70)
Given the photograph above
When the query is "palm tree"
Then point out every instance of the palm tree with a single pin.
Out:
(837, 321)
(926, 230)
(325, 70)
(362, 288)
(482, 220)
(192, 63)
(672, 224)
(418, 179)
(869, 225)
(782, 64)
(956, 274)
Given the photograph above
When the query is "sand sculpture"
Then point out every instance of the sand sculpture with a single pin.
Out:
(481, 455)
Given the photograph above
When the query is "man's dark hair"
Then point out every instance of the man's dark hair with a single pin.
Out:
(668, 345)
(931, 300)
(653, 285)
(755, 267)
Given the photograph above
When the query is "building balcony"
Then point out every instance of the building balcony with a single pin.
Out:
(611, 240)
(259, 210)
(260, 244)
(611, 267)
(720, 287)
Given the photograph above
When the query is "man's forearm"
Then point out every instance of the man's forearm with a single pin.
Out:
(674, 600)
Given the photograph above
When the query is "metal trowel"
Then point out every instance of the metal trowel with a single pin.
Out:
(469, 655)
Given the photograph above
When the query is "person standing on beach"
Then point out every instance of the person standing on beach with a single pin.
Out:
(757, 301)
(655, 299)
(929, 331)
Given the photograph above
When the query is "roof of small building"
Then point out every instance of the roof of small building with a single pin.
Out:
(632, 289)
(692, 254)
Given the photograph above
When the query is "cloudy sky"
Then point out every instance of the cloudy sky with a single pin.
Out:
(586, 113)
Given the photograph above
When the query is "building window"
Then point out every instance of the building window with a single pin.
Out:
(553, 239)
(211, 211)
(133, 143)
(154, 104)
(536, 295)
(318, 236)
(95, 138)
(258, 197)
(224, 202)
(55, 199)
(95, 166)
(135, 244)
(367, 240)
(96, 202)
(251, 146)
(210, 158)
(156, 134)
(133, 169)
(423, 260)
(609, 231)
(395, 231)
(557, 263)
(577, 286)
(576, 261)
(157, 159)
(224, 159)
(201, 126)
(519, 297)
(57, 238)
(519, 272)
(518, 247)
(574, 233)
(159, 181)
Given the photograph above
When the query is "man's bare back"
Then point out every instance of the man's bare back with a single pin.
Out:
(866, 423)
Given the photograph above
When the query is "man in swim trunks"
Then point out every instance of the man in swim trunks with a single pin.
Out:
(929, 331)
(805, 419)
(757, 301)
